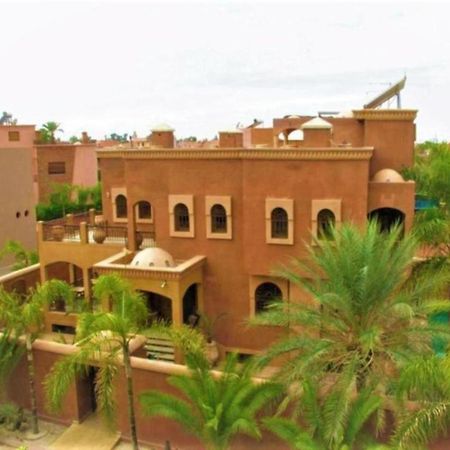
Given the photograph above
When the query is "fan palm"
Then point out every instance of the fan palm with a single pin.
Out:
(103, 338)
(217, 407)
(366, 308)
(25, 317)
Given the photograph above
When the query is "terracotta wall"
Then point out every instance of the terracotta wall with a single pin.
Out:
(231, 263)
(394, 143)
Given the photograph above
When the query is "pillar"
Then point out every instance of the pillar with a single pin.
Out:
(131, 228)
(87, 284)
(71, 274)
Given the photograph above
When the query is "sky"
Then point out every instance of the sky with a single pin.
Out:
(201, 67)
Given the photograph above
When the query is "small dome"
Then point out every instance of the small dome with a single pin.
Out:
(388, 176)
(161, 127)
(317, 124)
(153, 257)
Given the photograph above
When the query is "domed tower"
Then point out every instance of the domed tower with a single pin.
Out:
(162, 136)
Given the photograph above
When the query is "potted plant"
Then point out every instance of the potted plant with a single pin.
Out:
(99, 231)
(208, 326)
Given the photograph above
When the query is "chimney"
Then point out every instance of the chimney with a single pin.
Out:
(162, 136)
(84, 137)
(317, 133)
(231, 139)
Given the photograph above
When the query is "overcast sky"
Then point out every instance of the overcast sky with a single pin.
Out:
(201, 67)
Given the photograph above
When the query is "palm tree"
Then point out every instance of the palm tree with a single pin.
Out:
(25, 317)
(366, 308)
(23, 257)
(103, 337)
(217, 407)
(48, 131)
(422, 394)
(335, 421)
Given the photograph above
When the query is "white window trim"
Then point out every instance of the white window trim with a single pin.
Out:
(225, 201)
(288, 205)
(188, 200)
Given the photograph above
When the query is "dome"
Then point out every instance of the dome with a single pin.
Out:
(317, 124)
(161, 127)
(152, 257)
(388, 176)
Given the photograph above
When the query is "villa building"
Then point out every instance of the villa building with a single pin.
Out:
(201, 230)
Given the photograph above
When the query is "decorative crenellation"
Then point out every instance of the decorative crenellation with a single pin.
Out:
(299, 154)
(385, 114)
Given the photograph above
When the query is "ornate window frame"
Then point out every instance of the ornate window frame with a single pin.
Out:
(288, 205)
(187, 200)
(334, 205)
(225, 201)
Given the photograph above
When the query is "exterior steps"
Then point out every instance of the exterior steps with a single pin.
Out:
(160, 349)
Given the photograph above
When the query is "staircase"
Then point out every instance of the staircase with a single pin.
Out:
(160, 348)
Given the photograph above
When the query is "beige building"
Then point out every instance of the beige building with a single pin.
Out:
(18, 220)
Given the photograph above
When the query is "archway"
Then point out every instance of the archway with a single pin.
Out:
(387, 218)
(190, 306)
(159, 307)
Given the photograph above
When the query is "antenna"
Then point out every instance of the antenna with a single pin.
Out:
(387, 95)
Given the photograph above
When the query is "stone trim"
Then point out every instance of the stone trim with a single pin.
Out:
(225, 201)
(385, 114)
(295, 154)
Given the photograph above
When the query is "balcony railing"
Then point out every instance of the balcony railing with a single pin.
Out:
(95, 234)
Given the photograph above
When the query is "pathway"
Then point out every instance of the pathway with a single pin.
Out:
(92, 434)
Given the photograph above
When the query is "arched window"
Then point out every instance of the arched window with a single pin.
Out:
(387, 218)
(121, 206)
(181, 213)
(279, 223)
(218, 219)
(326, 221)
(265, 294)
(144, 210)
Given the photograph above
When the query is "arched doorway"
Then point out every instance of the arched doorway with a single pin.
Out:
(159, 307)
(190, 305)
(387, 218)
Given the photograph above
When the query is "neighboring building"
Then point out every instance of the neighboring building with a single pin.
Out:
(53, 163)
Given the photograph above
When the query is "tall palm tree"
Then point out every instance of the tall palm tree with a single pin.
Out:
(103, 338)
(365, 308)
(25, 317)
(48, 131)
(216, 408)
(335, 421)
